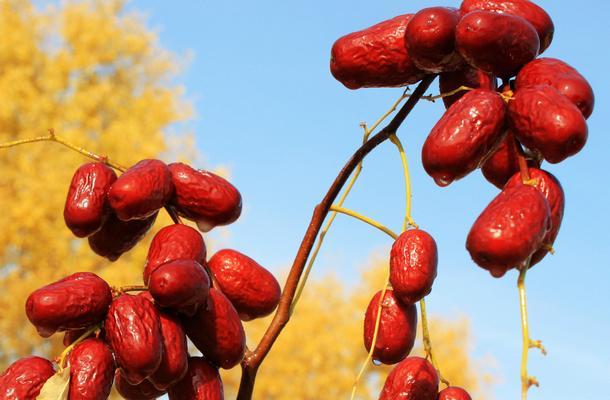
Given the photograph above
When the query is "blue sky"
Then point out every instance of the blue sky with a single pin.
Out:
(267, 107)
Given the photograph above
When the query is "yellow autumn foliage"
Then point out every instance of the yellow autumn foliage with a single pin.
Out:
(99, 78)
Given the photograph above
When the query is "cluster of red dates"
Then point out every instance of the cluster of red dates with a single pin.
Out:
(139, 342)
(537, 113)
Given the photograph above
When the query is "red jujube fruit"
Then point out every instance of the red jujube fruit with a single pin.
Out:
(204, 197)
(453, 393)
(546, 121)
(496, 43)
(202, 382)
(253, 290)
(397, 328)
(430, 39)
(91, 370)
(464, 136)
(142, 391)
(141, 191)
(174, 242)
(510, 229)
(86, 206)
(466, 76)
(558, 74)
(413, 264)
(503, 163)
(76, 301)
(175, 353)
(375, 57)
(134, 334)
(181, 285)
(526, 9)
(117, 237)
(413, 379)
(217, 332)
(552, 191)
(24, 378)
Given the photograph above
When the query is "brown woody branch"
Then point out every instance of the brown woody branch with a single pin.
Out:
(254, 358)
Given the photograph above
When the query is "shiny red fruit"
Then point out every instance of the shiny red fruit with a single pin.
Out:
(413, 379)
(464, 136)
(253, 290)
(397, 328)
(496, 43)
(503, 163)
(24, 378)
(453, 393)
(202, 382)
(468, 77)
(175, 353)
(142, 391)
(375, 57)
(91, 370)
(547, 122)
(510, 229)
(117, 237)
(86, 206)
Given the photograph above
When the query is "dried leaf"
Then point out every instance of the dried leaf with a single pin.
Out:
(56, 387)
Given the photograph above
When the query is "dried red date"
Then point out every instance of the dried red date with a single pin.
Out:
(117, 237)
(503, 163)
(91, 370)
(464, 136)
(253, 290)
(24, 378)
(142, 391)
(509, 230)
(496, 43)
(86, 206)
(202, 382)
(546, 121)
(77, 301)
(430, 39)
(175, 353)
(561, 76)
(141, 191)
(171, 243)
(413, 379)
(204, 197)
(217, 332)
(134, 334)
(468, 77)
(375, 57)
(181, 285)
(552, 191)
(526, 9)
(413, 263)
(453, 393)
(397, 328)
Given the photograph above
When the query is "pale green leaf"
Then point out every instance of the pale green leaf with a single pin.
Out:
(56, 387)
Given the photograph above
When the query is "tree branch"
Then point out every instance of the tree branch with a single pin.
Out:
(255, 358)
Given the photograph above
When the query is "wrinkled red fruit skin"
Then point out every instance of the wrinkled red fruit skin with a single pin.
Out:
(181, 285)
(453, 393)
(560, 75)
(467, 76)
(413, 379)
(430, 39)
(496, 43)
(202, 382)
(24, 378)
(552, 191)
(117, 237)
(397, 328)
(141, 191)
(375, 57)
(76, 301)
(204, 197)
(171, 243)
(134, 334)
(503, 163)
(142, 391)
(546, 121)
(217, 332)
(175, 353)
(509, 230)
(253, 290)
(464, 136)
(86, 206)
(413, 265)
(91, 370)
(526, 9)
